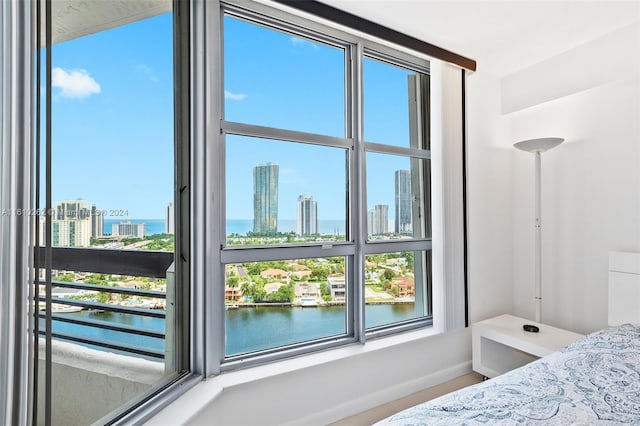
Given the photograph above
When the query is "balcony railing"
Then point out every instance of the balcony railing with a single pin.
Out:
(114, 262)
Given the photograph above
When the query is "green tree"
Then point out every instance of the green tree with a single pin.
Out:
(388, 274)
(283, 295)
(67, 278)
(253, 268)
(259, 293)
(246, 288)
(96, 279)
(102, 297)
(254, 290)
(319, 273)
(409, 256)
(324, 289)
(145, 285)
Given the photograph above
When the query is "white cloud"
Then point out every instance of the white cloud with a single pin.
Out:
(234, 96)
(147, 72)
(296, 41)
(74, 83)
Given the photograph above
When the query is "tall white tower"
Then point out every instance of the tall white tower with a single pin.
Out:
(307, 216)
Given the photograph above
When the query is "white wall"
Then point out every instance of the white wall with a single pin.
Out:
(489, 192)
(324, 387)
(89, 384)
(591, 183)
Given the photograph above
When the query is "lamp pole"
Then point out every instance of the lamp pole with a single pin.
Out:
(538, 236)
(537, 147)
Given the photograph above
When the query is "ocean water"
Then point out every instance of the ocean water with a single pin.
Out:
(236, 226)
(327, 227)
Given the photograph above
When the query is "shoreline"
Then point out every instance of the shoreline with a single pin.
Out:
(323, 305)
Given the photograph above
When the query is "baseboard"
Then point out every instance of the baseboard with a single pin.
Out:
(374, 399)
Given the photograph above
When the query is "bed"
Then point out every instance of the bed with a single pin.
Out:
(595, 380)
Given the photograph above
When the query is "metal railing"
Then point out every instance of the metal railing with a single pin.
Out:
(133, 263)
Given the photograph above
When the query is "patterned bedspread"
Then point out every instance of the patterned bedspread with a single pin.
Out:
(595, 380)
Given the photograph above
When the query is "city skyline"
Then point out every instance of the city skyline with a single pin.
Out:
(98, 93)
(75, 223)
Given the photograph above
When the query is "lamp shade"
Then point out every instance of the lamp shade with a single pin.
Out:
(538, 145)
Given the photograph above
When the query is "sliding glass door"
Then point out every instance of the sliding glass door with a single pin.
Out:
(106, 287)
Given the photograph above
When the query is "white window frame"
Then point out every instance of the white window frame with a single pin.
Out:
(213, 207)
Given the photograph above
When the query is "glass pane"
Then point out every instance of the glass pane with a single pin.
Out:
(395, 102)
(272, 304)
(397, 197)
(396, 287)
(112, 180)
(284, 192)
(276, 79)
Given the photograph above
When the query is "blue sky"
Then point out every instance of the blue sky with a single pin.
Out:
(113, 119)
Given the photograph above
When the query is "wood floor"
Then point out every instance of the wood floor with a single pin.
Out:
(369, 417)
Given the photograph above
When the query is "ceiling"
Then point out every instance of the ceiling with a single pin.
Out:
(502, 36)
(76, 18)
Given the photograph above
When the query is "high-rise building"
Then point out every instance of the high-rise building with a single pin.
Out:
(72, 210)
(265, 198)
(128, 229)
(170, 224)
(80, 210)
(307, 216)
(403, 202)
(73, 223)
(381, 219)
(67, 233)
(371, 219)
(97, 222)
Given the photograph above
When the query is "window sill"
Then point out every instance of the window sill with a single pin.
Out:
(237, 377)
(203, 394)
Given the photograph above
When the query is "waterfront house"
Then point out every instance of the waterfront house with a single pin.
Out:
(306, 290)
(337, 288)
(273, 287)
(232, 293)
(274, 274)
(405, 286)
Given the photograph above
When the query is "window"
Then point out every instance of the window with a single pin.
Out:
(294, 172)
(106, 284)
(323, 227)
(276, 194)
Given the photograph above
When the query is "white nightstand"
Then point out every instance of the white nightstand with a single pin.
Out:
(500, 344)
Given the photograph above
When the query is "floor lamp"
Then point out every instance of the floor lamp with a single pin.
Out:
(537, 147)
